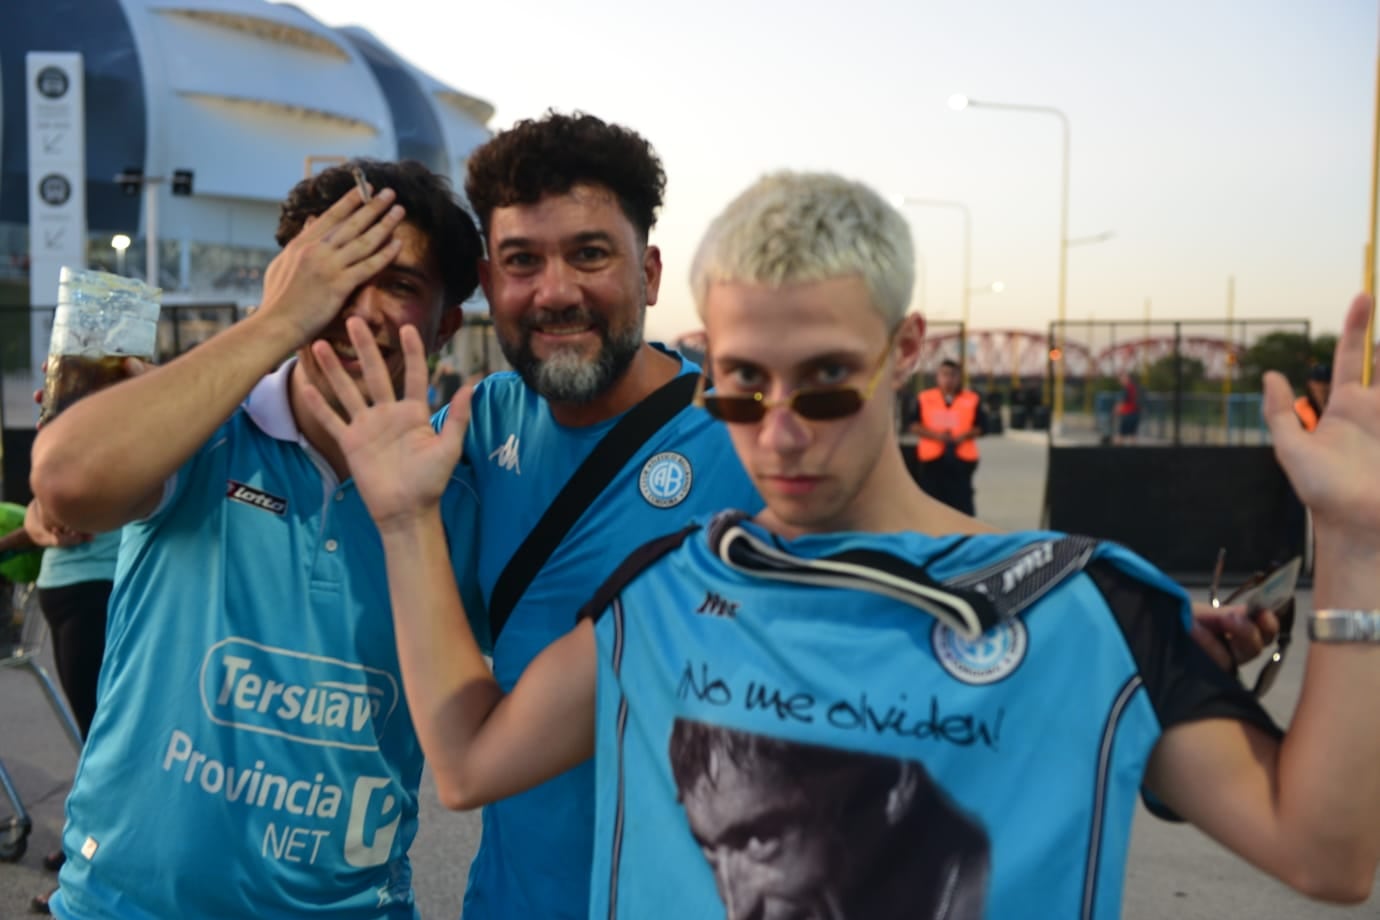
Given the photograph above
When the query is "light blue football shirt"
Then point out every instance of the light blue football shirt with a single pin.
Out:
(534, 856)
(252, 754)
(71, 565)
(784, 746)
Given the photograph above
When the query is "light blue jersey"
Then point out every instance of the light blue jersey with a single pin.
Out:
(534, 857)
(71, 565)
(252, 753)
(804, 728)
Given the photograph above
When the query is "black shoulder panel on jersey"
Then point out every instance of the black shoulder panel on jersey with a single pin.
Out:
(638, 560)
(1184, 684)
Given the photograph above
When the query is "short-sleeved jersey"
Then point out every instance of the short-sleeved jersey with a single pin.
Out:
(894, 725)
(252, 754)
(534, 856)
(90, 561)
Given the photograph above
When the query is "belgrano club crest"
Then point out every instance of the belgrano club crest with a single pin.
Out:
(666, 479)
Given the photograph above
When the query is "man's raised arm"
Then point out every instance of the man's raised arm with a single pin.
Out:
(481, 744)
(103, 462)
(1307, 809)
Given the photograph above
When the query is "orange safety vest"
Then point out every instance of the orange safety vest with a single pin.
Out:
(957, 419)
(1304, 410)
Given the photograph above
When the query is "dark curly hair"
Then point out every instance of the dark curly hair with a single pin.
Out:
(431, 207)
(550, 155)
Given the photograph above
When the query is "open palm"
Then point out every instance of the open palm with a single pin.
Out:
(1333, 468)
(399, 463)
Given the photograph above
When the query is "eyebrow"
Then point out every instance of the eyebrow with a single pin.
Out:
(829, 357)
(412, 271)
(579, 239)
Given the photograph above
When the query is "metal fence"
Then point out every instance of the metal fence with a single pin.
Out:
(1189, 372)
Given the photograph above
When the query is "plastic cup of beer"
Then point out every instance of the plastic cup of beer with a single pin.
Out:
(101, 320)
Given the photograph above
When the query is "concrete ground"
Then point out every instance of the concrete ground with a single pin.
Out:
(1174, 872)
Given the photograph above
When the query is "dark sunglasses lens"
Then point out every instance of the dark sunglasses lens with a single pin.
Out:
(824, 405)
(733, 409)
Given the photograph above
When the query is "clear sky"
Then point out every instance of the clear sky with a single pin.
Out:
(1214, 138)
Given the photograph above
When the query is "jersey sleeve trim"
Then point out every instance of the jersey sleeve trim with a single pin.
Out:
(638, 560)
(1183, 683)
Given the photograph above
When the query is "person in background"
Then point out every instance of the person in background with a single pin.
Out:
(445, 383)
(1127, 410)
(951, 420)
(1317, 389)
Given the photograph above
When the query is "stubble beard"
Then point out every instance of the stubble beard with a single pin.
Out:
(568, 376)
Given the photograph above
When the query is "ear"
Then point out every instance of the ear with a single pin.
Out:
(651, 272)
(486, 278)
(910, 338)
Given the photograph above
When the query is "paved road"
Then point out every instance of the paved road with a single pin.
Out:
(1175, 872)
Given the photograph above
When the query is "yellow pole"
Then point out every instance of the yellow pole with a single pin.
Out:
(1369, 361)
(1230, 359)
(1058, 420)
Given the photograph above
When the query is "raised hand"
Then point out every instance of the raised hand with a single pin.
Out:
(399, 463)
(1333, 468)
(308, 282)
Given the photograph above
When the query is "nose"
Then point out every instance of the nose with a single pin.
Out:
(556, 287)
(783, 431)
(368, 303)
(741, 901)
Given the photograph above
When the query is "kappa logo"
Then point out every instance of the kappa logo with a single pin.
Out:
(255, 498)
(666, 479)
(506, 456)
(986, 659)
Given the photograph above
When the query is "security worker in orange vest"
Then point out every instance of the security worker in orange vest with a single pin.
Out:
(951, 420)
(1309, 407)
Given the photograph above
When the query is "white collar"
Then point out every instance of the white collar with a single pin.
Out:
(270, 407)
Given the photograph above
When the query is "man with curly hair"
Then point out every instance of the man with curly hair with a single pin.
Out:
(252, 754)
(567, 204)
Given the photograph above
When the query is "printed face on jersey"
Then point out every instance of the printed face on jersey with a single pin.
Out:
(408, 292)
(568, 281)
(808, 832)
(815, 476)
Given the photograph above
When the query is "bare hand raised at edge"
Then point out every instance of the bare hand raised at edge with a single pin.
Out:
(399, 463)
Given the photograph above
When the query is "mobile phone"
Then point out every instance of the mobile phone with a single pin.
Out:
(1274, 592)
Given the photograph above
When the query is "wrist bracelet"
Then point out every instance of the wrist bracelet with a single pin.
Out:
(1344, 626)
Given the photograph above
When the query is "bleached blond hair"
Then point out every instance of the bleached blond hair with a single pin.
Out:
(792, 228)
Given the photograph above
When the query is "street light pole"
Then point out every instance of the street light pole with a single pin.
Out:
(960, 102)
(967, 262)
(151, 230)
(119, 242)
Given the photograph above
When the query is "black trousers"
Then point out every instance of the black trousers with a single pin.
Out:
(76, 620)
(950, 480)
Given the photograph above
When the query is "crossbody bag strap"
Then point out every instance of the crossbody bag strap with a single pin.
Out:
(609, 456)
